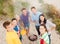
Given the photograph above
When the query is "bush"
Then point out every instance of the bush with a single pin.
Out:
(6, 8)
(25, 4)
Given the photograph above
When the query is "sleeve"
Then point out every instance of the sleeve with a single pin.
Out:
(51, 24)
(40, 13)
(39, 41)
(46, 39)
(32, 17)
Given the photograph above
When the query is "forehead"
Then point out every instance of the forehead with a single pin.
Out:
(41, 16)
(14, 21)
(33, 9)
(24, 10)
(41, 27)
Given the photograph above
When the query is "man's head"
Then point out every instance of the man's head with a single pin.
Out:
(24, 11)
(33, 9)
(14, 22)
(7, 25)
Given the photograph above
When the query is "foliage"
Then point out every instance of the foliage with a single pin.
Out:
(41, 1)
(25, 4)
(6, 8)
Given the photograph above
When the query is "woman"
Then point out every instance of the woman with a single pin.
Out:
(44, 39)
(49, 24)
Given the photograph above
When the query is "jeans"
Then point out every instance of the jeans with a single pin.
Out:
(37, 28)
(49, 39)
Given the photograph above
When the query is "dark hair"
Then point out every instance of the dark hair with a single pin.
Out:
(33, 8)
(44, 27)
(14, 19)
(23, 9)
(40, 19)
(6, 23)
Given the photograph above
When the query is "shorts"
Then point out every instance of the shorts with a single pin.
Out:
(27, 25)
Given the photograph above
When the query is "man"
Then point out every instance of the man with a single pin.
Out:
(25, 19)
(35, 18)
(11, 35)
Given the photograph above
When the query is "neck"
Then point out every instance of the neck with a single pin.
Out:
(43, 33)
(8, 30)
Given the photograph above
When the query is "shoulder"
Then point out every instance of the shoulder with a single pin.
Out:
(39, 12)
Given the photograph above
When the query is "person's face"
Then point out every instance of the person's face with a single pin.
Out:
(42, 18)
(24, 12)
(14, 23)
(33, 10)
(42, 29)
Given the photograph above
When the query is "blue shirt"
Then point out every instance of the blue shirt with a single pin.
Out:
(35, 17)
(16, 28)
(25, 19)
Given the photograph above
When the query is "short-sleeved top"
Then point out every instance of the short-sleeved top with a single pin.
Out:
(25, 19)
(16, 28)
(49, 24)
(12, 38)
(35, 17)
(45, 37)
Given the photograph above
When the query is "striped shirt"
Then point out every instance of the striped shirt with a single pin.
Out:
(45, 37)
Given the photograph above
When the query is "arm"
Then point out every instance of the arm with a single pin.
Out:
(52, 25)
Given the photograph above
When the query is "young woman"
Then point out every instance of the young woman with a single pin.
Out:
(49, 25)
(44, 39)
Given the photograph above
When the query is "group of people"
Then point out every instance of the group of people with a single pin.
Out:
(22, 22)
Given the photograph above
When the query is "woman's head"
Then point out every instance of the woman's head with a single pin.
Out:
(42, 19)
(42, 29)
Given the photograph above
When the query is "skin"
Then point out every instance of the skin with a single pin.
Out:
(33, 11)
(42, 18)
(24, 12)
(14, 23)
(9, 28)
(42, 31)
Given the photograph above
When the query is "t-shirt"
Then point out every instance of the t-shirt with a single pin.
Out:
(49, 25)
(12, 38)
(35, 17)
(25, 19)
(45, 37)
(16, 28)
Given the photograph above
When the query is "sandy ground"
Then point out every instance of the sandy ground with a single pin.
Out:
(54, 36)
